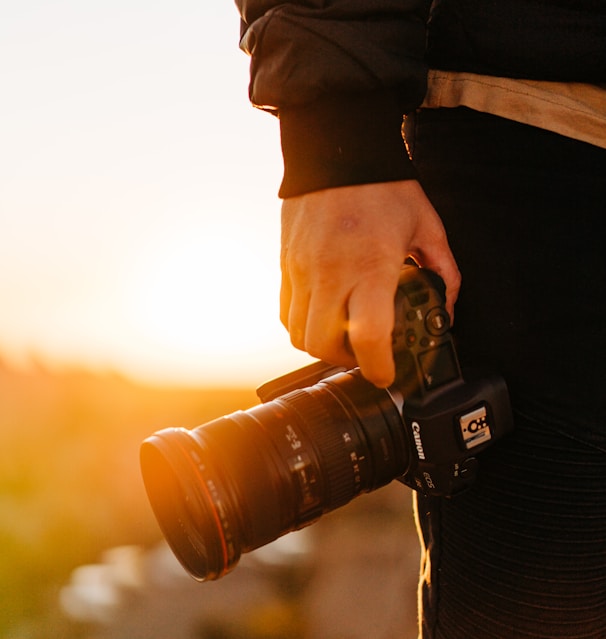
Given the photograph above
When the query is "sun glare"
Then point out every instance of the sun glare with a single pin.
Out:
(135, 232)
(209, 300)
(199, 294)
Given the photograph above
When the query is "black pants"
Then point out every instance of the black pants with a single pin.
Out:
(523, 553)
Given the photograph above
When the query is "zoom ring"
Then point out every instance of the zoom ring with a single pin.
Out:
(334, 453)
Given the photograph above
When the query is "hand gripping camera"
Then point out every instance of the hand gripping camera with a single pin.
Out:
(322, 436)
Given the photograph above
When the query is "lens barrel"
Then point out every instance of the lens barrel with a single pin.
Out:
(239, 482)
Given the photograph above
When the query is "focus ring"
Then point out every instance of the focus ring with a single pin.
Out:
(333, 451)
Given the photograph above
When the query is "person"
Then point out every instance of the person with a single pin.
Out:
(499, 186)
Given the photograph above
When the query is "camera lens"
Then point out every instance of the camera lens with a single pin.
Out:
(239, 482)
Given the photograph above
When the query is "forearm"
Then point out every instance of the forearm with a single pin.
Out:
(340, 76)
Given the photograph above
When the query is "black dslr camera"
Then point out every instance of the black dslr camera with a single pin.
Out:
(322, 436)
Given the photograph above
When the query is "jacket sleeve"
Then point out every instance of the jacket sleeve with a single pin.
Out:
(340, 75)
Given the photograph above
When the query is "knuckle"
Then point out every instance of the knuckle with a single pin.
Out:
(365, 339)
(297, 338)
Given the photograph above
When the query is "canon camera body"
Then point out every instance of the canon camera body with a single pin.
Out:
(324, 435)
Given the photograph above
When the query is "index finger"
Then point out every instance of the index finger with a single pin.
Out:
(370, 327)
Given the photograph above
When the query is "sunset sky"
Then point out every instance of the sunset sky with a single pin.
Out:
(139, 221)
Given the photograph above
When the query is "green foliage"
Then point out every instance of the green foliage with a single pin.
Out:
(70, 485)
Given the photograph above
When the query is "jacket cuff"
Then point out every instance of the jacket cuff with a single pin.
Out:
(341, 141)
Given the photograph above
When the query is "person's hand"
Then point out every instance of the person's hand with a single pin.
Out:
(342, 251)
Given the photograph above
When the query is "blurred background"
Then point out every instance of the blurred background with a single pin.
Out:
(139, 240)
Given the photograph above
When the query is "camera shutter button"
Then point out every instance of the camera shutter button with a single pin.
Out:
(437, 321)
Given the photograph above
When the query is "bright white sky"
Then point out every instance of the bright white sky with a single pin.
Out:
(139, 222)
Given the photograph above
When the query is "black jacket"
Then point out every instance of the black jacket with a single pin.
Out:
(341, 73)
